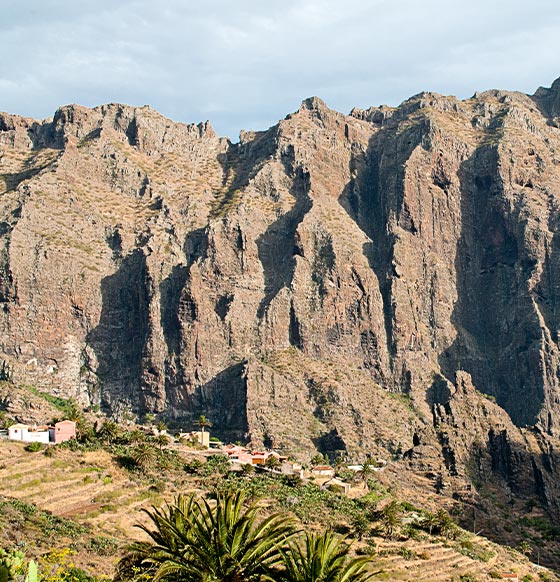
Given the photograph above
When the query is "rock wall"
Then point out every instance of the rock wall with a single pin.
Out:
(307, 286)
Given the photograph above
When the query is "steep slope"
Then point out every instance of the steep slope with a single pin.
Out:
(337, 282)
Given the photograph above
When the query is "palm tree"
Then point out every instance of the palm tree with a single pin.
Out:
(109, 431)
(272, 462)
(390, 518)
(193, 541)
(144, 456)
(137, 436)
(161, 440)
(202, 422)
(323, 557)
(367, 469)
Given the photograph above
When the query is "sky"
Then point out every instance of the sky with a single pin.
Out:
(245, 64)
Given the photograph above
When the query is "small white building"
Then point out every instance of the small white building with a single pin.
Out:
(27, 434)
(17, 431)
(292, 468)
(323, 471)
(196, 436)
(337, 486)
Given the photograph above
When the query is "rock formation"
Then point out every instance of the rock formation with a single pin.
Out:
(348, 283)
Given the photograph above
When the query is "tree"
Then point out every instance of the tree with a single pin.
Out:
(360, 525)
(318, 459)
(161, 440)
(440, 523)
(323, 557)
(272, 462)
(109, 431)
(367, 469)
(202, 422)
(136, 436)
(525, 548)
(193, 541)
(144, 456)
(390, 518)
(161, 427)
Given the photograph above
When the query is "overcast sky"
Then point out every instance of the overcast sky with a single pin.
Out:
(244, 64)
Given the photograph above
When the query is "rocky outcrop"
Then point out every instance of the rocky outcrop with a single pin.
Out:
(305, 286)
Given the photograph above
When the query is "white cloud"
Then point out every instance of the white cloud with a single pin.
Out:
(245, 64)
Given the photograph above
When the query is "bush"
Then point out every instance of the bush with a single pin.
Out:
(103, 546)
(194, 467)
(216, 464)
(34, 447)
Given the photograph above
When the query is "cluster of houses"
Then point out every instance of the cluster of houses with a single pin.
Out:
(324, 475)
(239, 455)
(58, 433)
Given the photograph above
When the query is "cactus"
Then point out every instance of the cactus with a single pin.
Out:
(31, 572)
(12, 564)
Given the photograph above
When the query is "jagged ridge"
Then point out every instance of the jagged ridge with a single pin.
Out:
(289, 285)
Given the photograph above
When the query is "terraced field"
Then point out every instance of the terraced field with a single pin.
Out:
(87, 487)
(92, 489)
(438, 560)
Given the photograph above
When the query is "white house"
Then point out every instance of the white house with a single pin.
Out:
(16, 432)
(323, 471)
(27, 434)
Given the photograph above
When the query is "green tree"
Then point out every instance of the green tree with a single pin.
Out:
(272, 462)
(144, 456)
(161, 427)
(137, 436)
(193, 541)
(318, 459)
(367, 470)
(390, 519)
(440, 523)
(161, 440)
(323, 557)
(525, 548)
(203, 423)
(109, 431)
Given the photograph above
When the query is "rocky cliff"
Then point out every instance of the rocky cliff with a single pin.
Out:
(349, 283)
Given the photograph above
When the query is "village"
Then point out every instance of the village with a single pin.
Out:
(239, 455)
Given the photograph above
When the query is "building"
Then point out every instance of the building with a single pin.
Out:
(510, 576)
(28, 434)
(336, 486)
(196, 436)
(292, 468)
(238, 453)
(60, 432)
(323, 471)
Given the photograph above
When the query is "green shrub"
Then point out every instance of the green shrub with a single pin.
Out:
(103, 546)
(34, 447)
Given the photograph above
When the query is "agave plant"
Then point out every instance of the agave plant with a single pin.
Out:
(194, 541)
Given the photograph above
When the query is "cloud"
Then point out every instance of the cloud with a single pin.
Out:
(246, 64)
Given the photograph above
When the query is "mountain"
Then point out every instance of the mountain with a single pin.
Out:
(385, 282)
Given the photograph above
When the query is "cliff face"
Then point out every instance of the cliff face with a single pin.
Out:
(305, 286)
